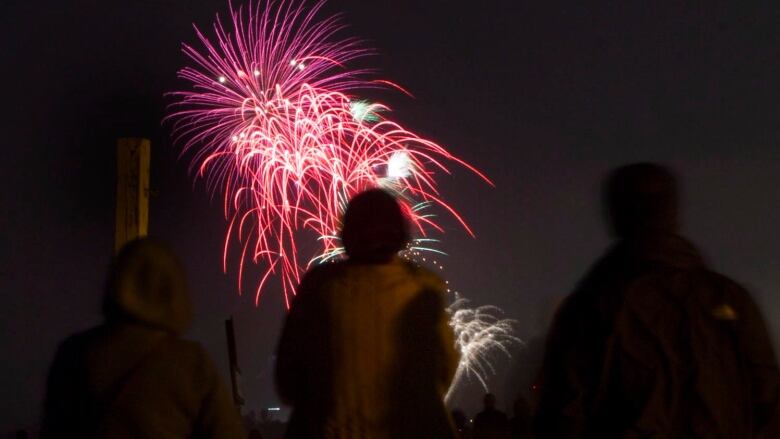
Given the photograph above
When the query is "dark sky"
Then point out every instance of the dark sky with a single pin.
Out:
(545, 97)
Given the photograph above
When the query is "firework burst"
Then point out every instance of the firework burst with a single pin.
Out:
(273, 121)
(480, 334)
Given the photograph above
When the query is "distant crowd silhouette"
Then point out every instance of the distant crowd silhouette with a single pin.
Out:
(651, 344)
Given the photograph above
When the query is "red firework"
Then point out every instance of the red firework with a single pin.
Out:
(273, 122)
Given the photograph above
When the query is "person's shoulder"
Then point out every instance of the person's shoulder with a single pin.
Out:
(716, 284)
(730, 291)
(317, 278)
(425, 277)
(320, 272)
(189, 354)
(83, 339)
(183, 344)
(725, 282)
(325, 268)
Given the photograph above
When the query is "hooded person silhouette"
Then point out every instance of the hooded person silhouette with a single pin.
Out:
(133, 376)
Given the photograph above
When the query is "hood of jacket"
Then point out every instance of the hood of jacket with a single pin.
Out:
(147, 285)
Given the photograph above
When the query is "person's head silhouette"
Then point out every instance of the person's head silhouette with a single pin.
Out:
(375, 228)
(642, 199)
(147, 284)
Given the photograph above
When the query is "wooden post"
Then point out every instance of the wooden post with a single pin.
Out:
(235, 372)
(132, 190)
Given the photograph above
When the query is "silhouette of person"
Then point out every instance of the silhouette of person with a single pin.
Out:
(520, 424)
(133, 376)
(491, 423)
(652, 343)
(367, 351)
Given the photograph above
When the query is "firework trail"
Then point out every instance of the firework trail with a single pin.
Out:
(274, 122)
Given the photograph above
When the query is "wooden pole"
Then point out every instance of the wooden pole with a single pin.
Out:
(133, 156)
(235, 372)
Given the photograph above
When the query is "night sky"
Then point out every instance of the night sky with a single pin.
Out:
(544, 97)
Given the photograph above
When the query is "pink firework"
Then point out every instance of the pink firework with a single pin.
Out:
(274, 123)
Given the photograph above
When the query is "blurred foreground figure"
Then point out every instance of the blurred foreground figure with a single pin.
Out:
(491, 423)
(367, 351)
(520, 425)
(134, 376)
(652, 344)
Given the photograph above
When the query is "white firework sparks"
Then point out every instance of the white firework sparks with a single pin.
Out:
(399, 165)
(480, 334)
